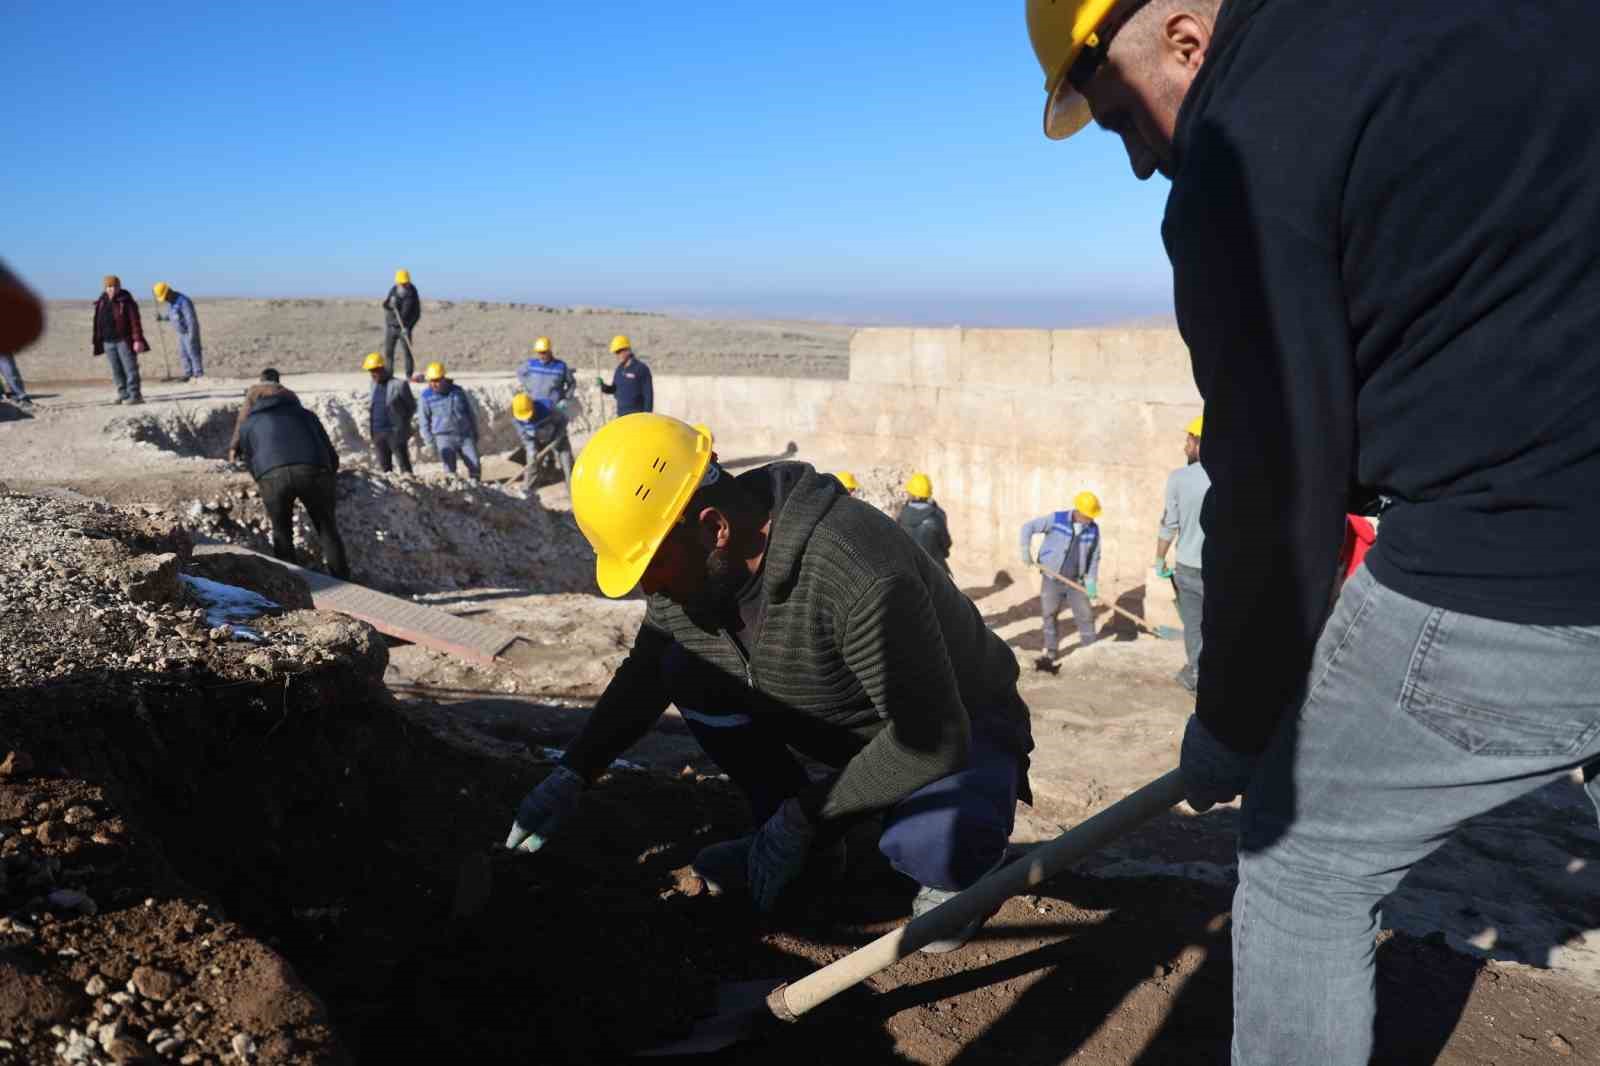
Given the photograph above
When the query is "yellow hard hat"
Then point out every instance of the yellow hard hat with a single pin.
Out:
(1060, 31)
(920, 487)
(541, 345)
(402, 277)
(848, 480)
(373, 361)
(1196, 426)
(630, 486)
(161, 290)
(620, 342)
(434, 372)
(522, 407)
(1088, 503)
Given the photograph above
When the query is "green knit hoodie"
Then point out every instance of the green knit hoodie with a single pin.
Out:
(863, 633)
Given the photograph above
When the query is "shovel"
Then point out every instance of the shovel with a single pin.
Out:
(744, 1009)
(1160, 632)
(411, 356)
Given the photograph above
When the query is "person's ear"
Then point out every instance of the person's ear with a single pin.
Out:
(716, 532)
(1185, 39)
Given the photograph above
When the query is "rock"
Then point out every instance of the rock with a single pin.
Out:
(168, 1046)
(96, 986)
(152, 983)
(259, 659)
(243, 1045)
(78, 815)
(51, 832)
(152, 578)
(1560, 1045)
(69, 899)
(17, 764)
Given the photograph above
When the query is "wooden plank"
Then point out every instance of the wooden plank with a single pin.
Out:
(414, 622)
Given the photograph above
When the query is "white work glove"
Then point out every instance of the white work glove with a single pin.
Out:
(543, 810)
(1212, 772)
(778, 854)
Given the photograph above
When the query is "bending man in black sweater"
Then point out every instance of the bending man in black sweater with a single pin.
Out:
(1382, 228)
(783, 613)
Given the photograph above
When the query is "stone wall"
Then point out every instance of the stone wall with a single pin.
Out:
(1010, 424)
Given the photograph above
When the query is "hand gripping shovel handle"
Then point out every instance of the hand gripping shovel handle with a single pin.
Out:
(1164, 632)
(789, 1002)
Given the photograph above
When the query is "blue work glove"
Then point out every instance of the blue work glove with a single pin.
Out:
(543, 810)
(1212, 772)
(1163, 571)
(778, 854)
(1092, 588)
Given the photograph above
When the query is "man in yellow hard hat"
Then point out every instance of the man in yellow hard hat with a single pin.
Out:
(449, 424)
(848, 480)
(1180, 523)
(1381, 227)
(544, 377)
(390, 407)
(402, 309)
(186, 325)
(541, 425)
(782, 614)
(630, 382)
(1071, 549)
(925, 521)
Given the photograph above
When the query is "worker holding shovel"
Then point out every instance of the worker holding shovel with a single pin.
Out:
(402, 308)
(784, 614)
(1071, 549)
(1382, 226)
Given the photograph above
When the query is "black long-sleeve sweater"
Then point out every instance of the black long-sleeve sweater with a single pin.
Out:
(862, 634)
(1384, 227)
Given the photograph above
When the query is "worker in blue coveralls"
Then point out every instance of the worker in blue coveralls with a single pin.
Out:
(1071, 549)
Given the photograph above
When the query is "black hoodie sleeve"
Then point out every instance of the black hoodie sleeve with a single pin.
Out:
(1260, 300)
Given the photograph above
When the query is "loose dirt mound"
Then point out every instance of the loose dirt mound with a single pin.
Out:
(408, 534)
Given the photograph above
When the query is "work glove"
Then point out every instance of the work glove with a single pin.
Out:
(778, 854)
(543, 810)
(598, 380)
(1212, 772)
(1163, 571)
(1092, 588)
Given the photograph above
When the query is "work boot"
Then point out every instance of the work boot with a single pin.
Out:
(1045, 664)
(724, 866)
(120, 400)
(927, 899)
(1185, 679)
(136, 401)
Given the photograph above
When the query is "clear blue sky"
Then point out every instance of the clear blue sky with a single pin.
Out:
(860, 161)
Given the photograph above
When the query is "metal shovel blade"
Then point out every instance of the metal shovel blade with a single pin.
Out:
(740, 1011)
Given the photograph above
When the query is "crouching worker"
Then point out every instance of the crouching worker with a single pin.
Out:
(541, 425)
(784, 614)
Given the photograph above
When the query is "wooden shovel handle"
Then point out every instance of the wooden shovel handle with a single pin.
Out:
(789, 1002)
(1129, 615)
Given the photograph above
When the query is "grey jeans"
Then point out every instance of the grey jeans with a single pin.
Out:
(1415, 720)
(12, 376)
(1052, 594)
(1191, 601)
(124, 369)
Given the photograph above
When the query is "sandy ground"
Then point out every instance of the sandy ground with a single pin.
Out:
(242, 336)
(1492, 949)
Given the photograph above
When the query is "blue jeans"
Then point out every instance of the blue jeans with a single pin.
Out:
(1052, 594)
(462, 448)
(12, 376)
(124, 369)
(1415, 720)
(190, 356)
(947, 834)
